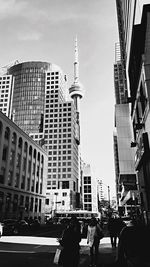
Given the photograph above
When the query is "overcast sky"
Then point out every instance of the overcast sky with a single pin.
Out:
(45, 30)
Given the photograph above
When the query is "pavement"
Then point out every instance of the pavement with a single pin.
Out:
(41, 250)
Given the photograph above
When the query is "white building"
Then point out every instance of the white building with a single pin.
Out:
(89, 189)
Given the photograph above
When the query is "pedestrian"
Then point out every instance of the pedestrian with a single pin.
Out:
(70, 242)
(115, 225)
(1, 229)
(93, 240)
(133, 245)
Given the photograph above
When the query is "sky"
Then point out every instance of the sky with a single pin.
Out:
(45, 30)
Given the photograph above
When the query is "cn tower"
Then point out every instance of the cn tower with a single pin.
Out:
(76, 89)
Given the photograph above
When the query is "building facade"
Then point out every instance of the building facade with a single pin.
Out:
(6, 91)
(23, 172)
(136, 30)
(89, 189)
(42, 107)
(126, 183)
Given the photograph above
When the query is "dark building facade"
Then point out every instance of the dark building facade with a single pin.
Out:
(136, 36)
(23, 173)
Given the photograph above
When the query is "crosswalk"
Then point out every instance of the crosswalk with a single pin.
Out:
(43, 240)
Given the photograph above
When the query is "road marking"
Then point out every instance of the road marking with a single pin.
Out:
(17, 251)
(38, 246)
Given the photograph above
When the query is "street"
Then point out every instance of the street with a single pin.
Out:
(28, 251)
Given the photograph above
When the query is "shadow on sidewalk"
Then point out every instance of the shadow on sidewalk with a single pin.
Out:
(106, 258)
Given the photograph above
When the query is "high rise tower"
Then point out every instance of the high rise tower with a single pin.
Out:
(76, 93)
(76, 89)
(42, 111)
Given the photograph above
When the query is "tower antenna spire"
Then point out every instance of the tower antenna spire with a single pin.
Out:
(76, 89)
(76, 62)
(76, 92)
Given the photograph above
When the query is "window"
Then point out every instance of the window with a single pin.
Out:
(88, 207)
(87, 198)
(4, 156)
(7, 133)
(47, 201)
(10, 176)
(1, 200)
(65, 184)
(87, 180)
(2, 175)
(17, 180)
(23, 182)
(87, 189)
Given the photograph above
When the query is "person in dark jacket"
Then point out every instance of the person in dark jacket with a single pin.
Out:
(70, 242)
(115, 225)
(133, 246)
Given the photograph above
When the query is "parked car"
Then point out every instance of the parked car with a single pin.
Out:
(13, 226)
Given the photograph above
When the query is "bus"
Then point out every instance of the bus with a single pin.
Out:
(81, 215)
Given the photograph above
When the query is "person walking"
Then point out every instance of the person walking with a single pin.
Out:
(133, 245)
(115, 225)
(1, 229)
(70, 242)
(94, 232)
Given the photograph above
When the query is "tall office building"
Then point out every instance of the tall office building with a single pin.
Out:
(41, 108)
(135, 19)
(123, 153)
(6, 91)
(120, 84)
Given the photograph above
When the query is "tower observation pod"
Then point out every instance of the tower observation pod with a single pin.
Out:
(76, 89)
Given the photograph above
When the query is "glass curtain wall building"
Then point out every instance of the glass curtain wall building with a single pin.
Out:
(41, 109)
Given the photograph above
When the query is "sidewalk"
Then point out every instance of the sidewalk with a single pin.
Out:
(107, 254)
(30, 251)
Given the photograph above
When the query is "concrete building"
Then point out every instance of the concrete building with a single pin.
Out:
(6, 91)
(135, 32)
(23, 173)
(104, 200)
(100, 190)
(41, 107)
(123, 153)
(89, 190)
